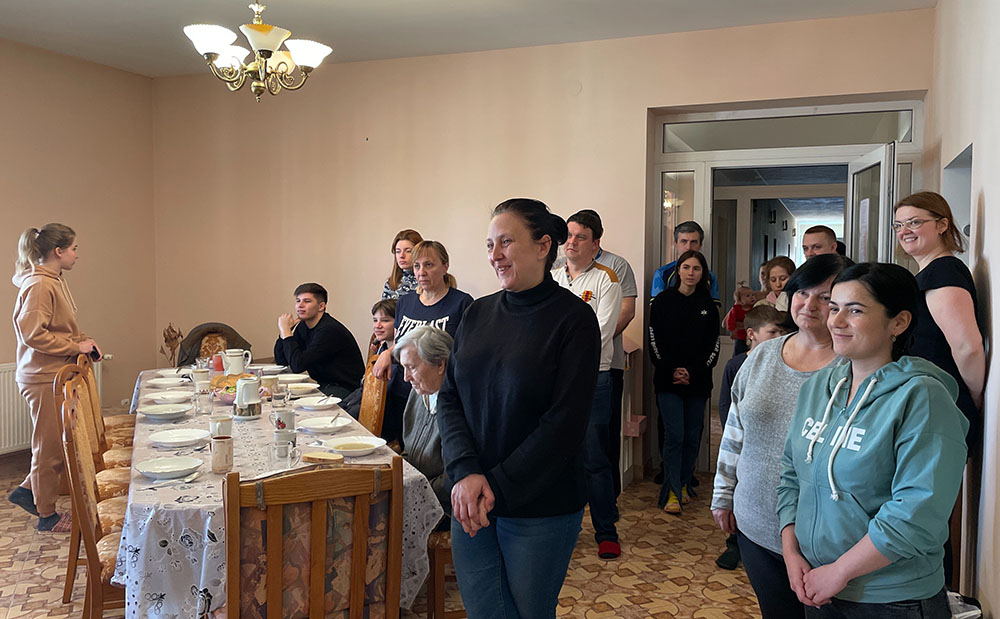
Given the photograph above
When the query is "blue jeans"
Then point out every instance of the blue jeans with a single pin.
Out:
(514, 568)
(683, 419)
(934, 607)
(600, 473)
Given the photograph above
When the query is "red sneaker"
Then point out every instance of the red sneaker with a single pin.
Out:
(609, 550)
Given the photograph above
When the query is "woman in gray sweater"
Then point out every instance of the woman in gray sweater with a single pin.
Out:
(423, 355)
(764, 399)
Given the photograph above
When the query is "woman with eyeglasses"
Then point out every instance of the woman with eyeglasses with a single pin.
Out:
(947, 331)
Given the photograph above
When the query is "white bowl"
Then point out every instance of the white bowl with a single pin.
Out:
(182, 437)
(170, 467)
(349, 445)
(267, 369)
(174, 372)
(293, 378)
(164, 411)
(323, 425)
(302, 388)
(317, 402)
(169, 397)
(168, 382)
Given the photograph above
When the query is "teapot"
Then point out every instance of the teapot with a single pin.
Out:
(235, 361)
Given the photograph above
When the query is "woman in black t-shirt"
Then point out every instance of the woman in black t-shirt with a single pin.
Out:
(438, 303)
(947, 332)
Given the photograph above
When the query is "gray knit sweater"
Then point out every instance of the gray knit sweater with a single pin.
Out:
(746, 480)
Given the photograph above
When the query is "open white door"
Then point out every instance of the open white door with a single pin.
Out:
(871, 189)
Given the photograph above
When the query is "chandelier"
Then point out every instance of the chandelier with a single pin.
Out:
(271, 68)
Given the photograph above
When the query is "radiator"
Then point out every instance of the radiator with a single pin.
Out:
(15, 422)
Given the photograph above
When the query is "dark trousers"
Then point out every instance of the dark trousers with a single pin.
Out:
(615, 428)
(600, 493)
(683, 420)
(934, 607)
(769, 579)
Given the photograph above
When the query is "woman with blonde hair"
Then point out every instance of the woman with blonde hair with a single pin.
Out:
(438, 303)
(402, 281)
(47, 338)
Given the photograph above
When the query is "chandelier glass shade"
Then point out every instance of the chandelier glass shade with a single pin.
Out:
(271, 68)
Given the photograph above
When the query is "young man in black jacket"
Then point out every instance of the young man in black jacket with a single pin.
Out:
(317, 343)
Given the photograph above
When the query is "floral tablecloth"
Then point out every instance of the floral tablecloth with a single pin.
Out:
(172, 558)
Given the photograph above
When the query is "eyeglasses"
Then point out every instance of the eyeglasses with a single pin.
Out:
(911, 224)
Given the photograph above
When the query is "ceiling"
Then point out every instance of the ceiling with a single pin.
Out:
(144, 36)
(803, 209)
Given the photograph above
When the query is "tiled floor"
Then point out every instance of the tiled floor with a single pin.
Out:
(666, 570)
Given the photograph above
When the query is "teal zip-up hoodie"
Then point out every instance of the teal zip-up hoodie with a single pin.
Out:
(894, 474)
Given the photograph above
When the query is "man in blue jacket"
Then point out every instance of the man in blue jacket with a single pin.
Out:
(687, 235)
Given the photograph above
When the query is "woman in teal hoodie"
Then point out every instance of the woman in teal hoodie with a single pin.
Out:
(872, 463)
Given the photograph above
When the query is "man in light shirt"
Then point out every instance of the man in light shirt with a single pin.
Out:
(598, 286)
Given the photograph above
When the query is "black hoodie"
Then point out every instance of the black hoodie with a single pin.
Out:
(684, 333)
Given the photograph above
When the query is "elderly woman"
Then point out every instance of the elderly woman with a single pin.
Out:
(873, 462)
(423, 355)
(763, 403)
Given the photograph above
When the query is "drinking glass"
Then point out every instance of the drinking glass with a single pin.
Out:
(279, 397)
(283, 455)
(203, 399)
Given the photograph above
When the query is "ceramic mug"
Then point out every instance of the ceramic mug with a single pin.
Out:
(284, 435)
(220, 425)
(282, 419)
(222, 454)
(200, 375)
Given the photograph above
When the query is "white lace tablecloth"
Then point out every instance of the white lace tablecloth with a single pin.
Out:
(172, 558)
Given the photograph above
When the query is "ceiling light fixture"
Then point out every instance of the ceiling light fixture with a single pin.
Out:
(271, 69)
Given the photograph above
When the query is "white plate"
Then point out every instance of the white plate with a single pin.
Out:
(169, 397)
(302, 388)
(164, 411)
(179, 438)
(174, 372)
(170, 467)
(293, 378)
(168, 382)
(246, 417)
(317, 402)
(267, 369)
(323, 425)
(372, 443)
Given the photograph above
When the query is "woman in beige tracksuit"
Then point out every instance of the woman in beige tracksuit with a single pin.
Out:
(47, 338)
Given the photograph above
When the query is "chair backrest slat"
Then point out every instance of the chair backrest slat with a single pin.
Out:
(359, 556)
(231, 499)
(80, 467)
(275, 558)
(94, 404)
(317, 560)
(373, 397)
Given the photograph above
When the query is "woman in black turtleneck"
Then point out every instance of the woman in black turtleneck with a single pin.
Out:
(512, 413)
(684, 347)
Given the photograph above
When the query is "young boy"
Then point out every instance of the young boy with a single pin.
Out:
(762, 323)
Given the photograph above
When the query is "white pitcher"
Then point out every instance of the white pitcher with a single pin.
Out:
(235, 360)
(247, 392)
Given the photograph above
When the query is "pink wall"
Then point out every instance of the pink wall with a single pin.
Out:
(312, 185)
(961, 111)
(77, 148)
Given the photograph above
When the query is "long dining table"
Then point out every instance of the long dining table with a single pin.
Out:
(172, 557)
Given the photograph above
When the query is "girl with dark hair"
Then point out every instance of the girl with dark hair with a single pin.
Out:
(513, 414)
(402, 281)
(947, 333)
(763, 402)
(873, 462)
(47, 339)
(684, 347)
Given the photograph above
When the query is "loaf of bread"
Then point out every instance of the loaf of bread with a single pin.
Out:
(222, 381)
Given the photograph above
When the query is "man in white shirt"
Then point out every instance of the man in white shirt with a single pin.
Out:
(597, 285)
(630, 292)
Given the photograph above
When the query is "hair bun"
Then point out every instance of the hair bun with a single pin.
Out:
(559, 231)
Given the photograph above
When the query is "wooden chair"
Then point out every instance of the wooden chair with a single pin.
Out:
(439, 554)
(111, 485)
(101, 547)
(373, 397)
(315, 543)
(116, 431)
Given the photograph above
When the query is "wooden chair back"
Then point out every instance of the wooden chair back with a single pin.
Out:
(314, 543)
(82, 473)
(88, 429)
(93, 403)
(373, 397)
